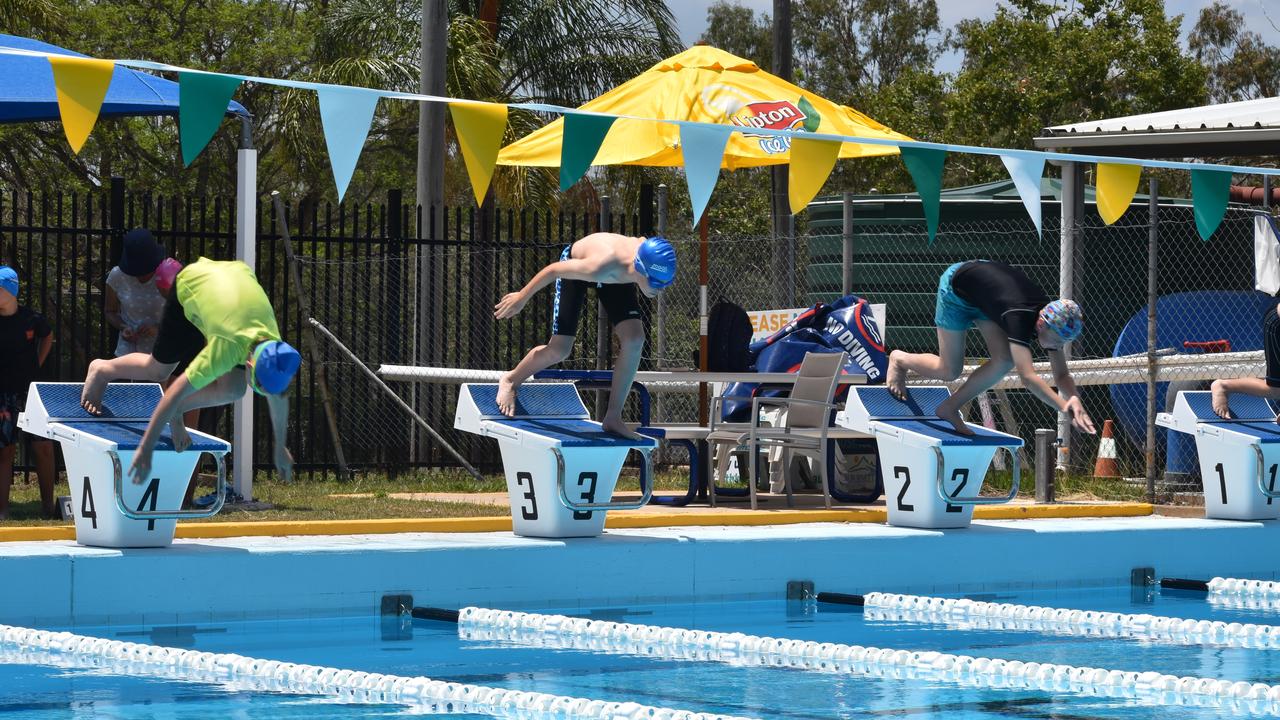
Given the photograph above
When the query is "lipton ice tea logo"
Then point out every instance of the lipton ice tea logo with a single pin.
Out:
(776, 115)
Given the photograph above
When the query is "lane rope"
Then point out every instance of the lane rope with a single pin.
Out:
(64, 649)
(562, 632)
(1093, 623)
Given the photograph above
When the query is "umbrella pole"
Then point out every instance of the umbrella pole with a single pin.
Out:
(704, 411)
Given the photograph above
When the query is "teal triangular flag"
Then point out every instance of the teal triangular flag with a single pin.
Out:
(703, 150)
(1026, 171)
(925, 166)
(1209, 191)
(345, 114)
(579, 143)
(202, 102)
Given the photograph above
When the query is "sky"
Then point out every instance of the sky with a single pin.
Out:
(691, 17)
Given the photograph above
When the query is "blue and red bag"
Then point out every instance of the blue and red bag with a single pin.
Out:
(847, 324)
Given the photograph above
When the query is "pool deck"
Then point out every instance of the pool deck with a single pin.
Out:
(61, 583)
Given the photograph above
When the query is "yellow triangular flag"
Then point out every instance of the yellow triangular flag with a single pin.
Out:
(1116, 185)
(81, 84)
(480, 128)
(811, 163)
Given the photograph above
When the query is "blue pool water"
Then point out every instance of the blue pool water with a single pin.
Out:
(32, 692)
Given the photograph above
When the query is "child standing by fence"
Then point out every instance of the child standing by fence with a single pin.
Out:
(25, 341)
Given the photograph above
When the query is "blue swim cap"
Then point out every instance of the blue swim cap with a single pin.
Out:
(656, 260)
(274, 365)
(1063, 317)
(9, 280)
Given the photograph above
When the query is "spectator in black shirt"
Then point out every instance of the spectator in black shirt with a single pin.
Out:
(25, 341)
(1009, 311)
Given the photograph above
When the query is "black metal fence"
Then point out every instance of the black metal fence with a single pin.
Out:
(365, 268)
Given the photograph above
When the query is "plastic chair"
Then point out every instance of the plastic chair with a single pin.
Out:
(802, 426)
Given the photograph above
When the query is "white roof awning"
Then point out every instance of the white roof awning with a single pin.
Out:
(1246, 128)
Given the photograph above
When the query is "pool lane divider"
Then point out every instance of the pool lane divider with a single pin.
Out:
(974, 614)
(64, 649)
(1260, 589)
(669, 643)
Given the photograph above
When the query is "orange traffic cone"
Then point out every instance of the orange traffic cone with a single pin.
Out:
(1107, 465)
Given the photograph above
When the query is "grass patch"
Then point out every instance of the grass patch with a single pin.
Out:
(322, 499)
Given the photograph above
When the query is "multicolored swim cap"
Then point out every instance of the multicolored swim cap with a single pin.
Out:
(274, 364)
(167, 272)
(1064, 317)
(656, 260)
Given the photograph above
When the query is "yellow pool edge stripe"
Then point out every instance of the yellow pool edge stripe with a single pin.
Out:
(683, 518)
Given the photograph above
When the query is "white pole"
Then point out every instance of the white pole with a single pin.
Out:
(246, 251)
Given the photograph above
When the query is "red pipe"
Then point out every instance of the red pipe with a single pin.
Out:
(1252, 195)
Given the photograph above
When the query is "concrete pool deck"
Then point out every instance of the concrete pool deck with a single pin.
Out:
(60, 583)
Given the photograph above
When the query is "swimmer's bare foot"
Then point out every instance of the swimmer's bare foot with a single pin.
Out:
(181, 438)
(896, 378)
(95, 384)
(1221, 405)
(507, 396)
(952, 415)
(615, 426)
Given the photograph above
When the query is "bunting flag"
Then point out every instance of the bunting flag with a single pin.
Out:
(345, 114)
(202, 103)
(480, 128)
(811, 164)
(1026, 171)
(583, 134)
(703, 150)
(925, 166)
(1209, 192)
(81, 86)
(1115, 188)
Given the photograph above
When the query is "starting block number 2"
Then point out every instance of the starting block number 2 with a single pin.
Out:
(903, 473)
(89, 511)
(1222, 481)
(529, 509)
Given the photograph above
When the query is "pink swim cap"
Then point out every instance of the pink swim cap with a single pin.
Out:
(167, 272)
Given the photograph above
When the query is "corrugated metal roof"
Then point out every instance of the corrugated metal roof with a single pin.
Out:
(1248, 128)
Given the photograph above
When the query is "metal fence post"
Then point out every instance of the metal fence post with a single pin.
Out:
(1153, 235)
(1046, 449)
(846, 258)
(1072, 202)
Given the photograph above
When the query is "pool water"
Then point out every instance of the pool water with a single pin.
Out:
(433, 649)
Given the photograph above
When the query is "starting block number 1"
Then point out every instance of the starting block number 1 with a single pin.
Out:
(1222, 481)
(903, 473)
(529, 509)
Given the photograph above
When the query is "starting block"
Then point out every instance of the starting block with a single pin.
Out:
(98, 449)
(1238, 457)
(926, 464)
(550, 450)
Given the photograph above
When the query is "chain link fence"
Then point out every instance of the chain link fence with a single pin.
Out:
(429, 302)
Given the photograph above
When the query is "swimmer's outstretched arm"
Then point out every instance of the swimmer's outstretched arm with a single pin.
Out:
(1065, 399)
(166, 410)
(278, 409)
(571, 269)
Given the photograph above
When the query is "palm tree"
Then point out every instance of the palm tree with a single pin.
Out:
(556, 51)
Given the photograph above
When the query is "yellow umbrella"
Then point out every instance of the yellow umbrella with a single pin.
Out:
(705, 84)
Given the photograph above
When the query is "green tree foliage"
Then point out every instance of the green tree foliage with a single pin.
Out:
(1037, 64)
(1241, 65)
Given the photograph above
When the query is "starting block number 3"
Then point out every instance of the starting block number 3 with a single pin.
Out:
(529, 508)
(1222, 481)
(903, 473)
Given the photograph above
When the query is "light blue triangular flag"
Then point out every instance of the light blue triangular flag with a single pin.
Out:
(345, 113)
(1026, 171)
(703, 150)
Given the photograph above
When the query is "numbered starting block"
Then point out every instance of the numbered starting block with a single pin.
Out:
(561, 467)
(111, 511)
(932, 474)
(1238, 457)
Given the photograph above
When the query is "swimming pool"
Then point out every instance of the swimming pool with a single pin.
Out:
(433, 649)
